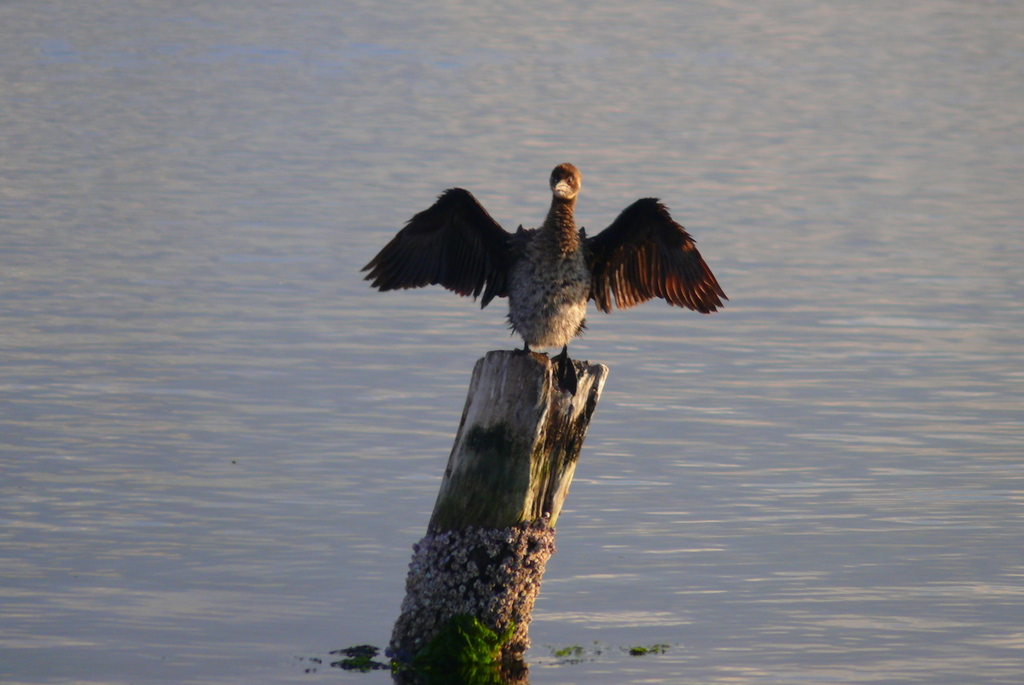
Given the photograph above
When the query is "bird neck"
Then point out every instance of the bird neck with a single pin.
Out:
(561, 223)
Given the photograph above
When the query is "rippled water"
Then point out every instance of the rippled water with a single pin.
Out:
(217, 445)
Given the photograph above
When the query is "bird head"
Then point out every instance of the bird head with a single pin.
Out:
(566, 181)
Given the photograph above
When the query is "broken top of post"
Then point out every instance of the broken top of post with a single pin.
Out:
(517, 445)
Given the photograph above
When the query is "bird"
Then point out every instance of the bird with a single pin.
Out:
(549, 273)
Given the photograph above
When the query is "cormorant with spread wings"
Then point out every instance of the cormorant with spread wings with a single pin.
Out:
(549, 273)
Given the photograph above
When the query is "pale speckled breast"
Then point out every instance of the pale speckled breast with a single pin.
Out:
(548, 295)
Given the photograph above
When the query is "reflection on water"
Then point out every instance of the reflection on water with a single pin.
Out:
(217, 445)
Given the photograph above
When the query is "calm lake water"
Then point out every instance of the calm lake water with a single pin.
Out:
(218, 445)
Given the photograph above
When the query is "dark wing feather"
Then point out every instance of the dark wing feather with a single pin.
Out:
(645, 254)
(454, 243)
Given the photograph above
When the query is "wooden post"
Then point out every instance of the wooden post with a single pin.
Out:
(492, 529)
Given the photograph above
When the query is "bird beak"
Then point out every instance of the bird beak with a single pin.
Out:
(563, 190)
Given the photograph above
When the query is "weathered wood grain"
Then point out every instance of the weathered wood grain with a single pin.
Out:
(516, 449)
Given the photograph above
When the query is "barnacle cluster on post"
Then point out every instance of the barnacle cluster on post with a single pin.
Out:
(491, 574)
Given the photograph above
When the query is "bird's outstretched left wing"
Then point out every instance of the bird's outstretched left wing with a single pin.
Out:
(645, 254)
(454, 243)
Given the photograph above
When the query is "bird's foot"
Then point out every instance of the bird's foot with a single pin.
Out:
(566, 371)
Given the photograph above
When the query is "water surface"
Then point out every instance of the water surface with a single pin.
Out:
(217, 445)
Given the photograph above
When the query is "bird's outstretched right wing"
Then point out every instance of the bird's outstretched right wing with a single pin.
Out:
(645, 254)
(453, 243)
